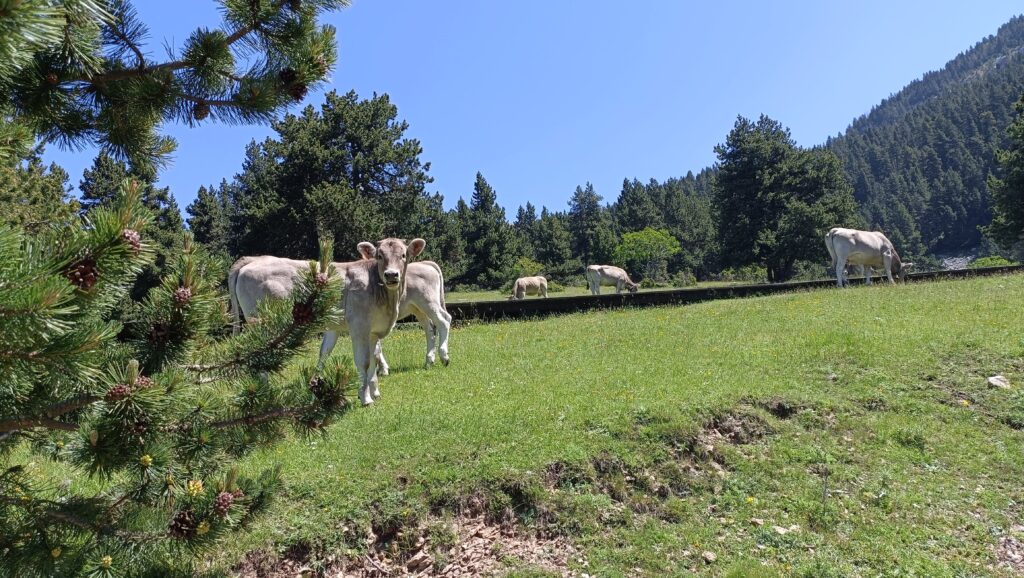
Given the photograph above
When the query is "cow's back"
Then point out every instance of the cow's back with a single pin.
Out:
(860, 247)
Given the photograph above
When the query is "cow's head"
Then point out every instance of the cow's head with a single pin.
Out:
(904, 268)
(391, 257)
(632, 287)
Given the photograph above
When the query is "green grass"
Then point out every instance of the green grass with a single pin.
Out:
(648, 436)
(570, 291)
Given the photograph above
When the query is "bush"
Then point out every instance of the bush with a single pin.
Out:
(555, 287)
(809, 271)
(746, 274)
(990, 261)
(684, 278)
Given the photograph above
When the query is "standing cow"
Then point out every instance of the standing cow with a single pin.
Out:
(529, 286)
(598, 275)
(869, 249)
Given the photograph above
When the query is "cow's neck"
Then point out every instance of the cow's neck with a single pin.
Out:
(381, 296)
(897, 263)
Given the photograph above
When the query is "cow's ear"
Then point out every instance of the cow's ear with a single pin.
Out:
(416, 247)
(908, 265)
(367, 250)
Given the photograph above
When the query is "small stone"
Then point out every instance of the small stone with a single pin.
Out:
(780, 530)
(757, 521)
(710, 557)
(999, 381)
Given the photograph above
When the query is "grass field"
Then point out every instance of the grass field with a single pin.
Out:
(818, 434)
(570, 291)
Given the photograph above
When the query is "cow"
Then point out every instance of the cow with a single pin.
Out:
(529, 286)
(598, 275)
(371, 300)
(869, 249)
(252, 279)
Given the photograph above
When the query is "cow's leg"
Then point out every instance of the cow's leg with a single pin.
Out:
(371, 371)
(840, 271)
(887, 263)
(327, 345)
(442, 322)
(867, 272)
(362, 354)
(382, 364)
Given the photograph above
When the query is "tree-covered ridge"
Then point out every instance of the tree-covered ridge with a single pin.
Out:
(919, 161)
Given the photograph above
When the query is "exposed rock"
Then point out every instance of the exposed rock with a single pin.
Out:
(710, 557)
(999, 381)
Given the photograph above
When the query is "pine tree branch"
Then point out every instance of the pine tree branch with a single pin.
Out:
(239, 359)
(209, 102)
(131, 45)
(48, 418)
(278, 413)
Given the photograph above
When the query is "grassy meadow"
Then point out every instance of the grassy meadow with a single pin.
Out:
(569, 291)
(829, 433)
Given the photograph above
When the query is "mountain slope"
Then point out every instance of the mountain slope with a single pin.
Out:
(919, 160)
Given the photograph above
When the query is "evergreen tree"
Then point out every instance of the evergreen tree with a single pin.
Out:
(1007, 228)
(77, 72)
(100, 185)
(525, 227)
(147, 430)
(346, 170)
(775, 201)
(689, 217)
(590, 226)
(210, 218)
(34, 196)
(491, 248)
(554, 243)
(635, 208)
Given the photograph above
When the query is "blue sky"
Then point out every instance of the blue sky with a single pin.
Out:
(544, 95)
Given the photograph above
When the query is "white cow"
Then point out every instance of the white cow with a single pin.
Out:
(253, 279)
(529, 286)
(598, 275)
(869, 249)
(383, 276)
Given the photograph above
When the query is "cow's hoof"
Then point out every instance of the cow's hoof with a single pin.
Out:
(446, 361)
(383, 371)
(367, 402)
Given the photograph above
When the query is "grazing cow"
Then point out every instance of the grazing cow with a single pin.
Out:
(255, 278)
(598, 275)
(529, 286)
(869, 249)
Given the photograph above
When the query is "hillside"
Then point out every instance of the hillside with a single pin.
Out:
(856, 445)
(919, 160)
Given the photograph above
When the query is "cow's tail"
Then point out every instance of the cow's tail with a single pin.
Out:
(236, 311)
(440, 288)
(830, 244)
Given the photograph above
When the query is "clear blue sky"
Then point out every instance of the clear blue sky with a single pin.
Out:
(544, 95)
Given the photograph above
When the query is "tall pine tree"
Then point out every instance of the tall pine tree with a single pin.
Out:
(590, 225)
(491, 248)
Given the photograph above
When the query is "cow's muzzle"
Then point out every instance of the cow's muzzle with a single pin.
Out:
(391, 278)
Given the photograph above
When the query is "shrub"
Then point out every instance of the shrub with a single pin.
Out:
(809, 271)
(555, 287)
(746, 274)
(990, 261)
(684, 278)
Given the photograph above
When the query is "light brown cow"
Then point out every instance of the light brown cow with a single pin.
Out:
(253, 279)
(529, 286)
(869, 249)
(372, 298)
(598, 275)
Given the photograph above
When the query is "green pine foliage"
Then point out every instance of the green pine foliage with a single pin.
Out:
(82, 72)
(920, 160)
(34, 196)
(775, 201)
(146, 429)
(1007, 228)
(491, 247)
(591, 227)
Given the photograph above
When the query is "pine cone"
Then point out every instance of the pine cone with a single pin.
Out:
(321, 65)
(140, 427)
(118, 392)
(183, 525)
(222, 503)
(302, 314)
(287, 76)
(298, 91)
(321, 279)
(200, 111)
(133, 239)
(52, 79)
(316, 386)
(238, 493)
(143, 382)
(182, 295)
(83, 274)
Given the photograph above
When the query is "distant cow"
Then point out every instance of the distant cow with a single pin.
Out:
(598, 275)
(253, 279)
(529, 286)
(869, 249)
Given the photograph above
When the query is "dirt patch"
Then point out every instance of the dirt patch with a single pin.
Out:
(469, 546)
(1010, 550)
(779, 407)
(737, 428)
